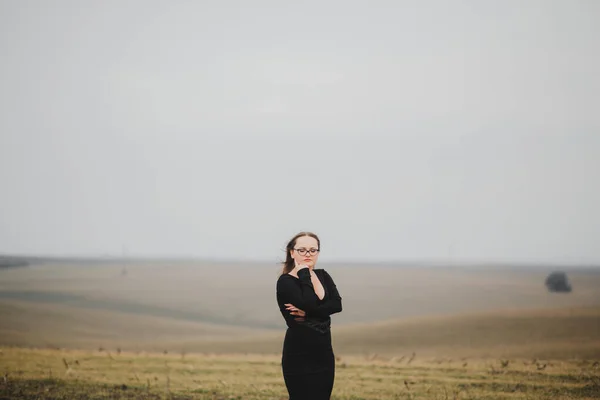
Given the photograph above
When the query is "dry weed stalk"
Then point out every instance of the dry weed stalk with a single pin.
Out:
(68, 369)
(409, 394)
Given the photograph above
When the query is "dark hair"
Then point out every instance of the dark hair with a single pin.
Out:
(288, 264)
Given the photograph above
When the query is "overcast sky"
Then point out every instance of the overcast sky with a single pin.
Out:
(394, 129)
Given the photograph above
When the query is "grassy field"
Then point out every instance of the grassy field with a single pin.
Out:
(244, 294)
(61, 374)
(89, 304)
(558, 334)
(214, 332)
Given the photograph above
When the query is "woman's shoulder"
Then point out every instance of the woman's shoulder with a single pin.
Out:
(285, 282)
(285, 277)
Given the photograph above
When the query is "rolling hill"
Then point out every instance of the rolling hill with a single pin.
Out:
(226, 308)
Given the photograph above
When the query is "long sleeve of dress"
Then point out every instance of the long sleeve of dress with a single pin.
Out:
(304, 297)
(333, 304)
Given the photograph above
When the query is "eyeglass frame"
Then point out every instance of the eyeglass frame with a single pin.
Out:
(307, 251)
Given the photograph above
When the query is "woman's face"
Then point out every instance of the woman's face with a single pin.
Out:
(306, 251)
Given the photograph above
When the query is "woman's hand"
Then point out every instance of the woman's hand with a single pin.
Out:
(295, 311)
(297, 268)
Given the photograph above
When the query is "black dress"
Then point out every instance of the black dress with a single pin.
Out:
(307, 361)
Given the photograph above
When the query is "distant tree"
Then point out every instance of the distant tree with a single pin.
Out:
(558, 282)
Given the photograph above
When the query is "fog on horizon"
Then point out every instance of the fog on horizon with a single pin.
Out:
(395, 130)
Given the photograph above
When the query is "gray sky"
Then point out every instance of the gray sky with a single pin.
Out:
(394, 129)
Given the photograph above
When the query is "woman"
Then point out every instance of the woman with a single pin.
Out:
(307, 297)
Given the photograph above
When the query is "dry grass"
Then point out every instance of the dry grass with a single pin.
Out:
(61, 374)
(557, 334)
(560, 333)
(244, 294)
(50, 325)
(404, 334)
(82, 306)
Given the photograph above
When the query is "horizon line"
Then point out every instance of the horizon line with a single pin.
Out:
(398, 261)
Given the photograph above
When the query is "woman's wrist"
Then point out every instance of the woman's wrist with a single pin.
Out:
(303, 273)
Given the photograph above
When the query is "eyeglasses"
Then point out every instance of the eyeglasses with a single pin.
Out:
(303, 252)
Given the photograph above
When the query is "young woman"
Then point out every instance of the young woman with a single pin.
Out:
(307, 297)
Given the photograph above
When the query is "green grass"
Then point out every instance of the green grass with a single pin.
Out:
(62, 374)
